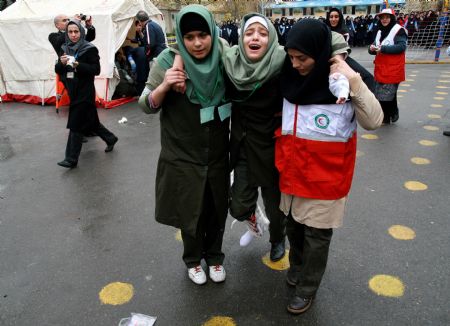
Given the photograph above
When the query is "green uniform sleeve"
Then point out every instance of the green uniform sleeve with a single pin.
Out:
(338, 45)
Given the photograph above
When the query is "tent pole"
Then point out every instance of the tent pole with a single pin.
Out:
(43, 91)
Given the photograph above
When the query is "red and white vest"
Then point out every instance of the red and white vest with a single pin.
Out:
(389, 68)
(315, 150)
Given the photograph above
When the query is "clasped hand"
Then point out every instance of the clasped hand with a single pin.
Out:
(175, 78)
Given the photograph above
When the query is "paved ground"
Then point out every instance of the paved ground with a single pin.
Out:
(67, 234)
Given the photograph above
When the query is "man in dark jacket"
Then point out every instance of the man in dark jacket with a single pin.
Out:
(57, 39)
(152, 35)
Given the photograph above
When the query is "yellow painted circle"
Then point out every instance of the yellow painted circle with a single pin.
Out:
(399, 95)
(415, 186)
(178, 236)
(442, 87)
(412, 75)
(403, 91)
(427, 143)
(401, 232)
(442, 93)
(220, 321)
(439, 98)
(281, 265)
(420, 161)
(444, 81)
(359, 153)
(434, 116)
(409, 80)
(436, 105)
(405, 85)
(116, 293)
(387, 285)
(369, 136)
(431, 128)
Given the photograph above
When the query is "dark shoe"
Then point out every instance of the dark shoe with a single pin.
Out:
(299, 305)
(67, 164)
(110, 146)
(277, 251)
(395, 117)
(292, 277)
(84, 140)
(446, 133)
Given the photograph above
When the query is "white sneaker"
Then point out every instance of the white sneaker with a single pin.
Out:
(246, 238)
(197, 275)
(217, 273)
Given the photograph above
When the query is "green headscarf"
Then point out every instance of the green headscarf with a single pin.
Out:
(247, 75)
(205, 84)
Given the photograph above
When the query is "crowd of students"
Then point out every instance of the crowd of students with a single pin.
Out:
(362, 29)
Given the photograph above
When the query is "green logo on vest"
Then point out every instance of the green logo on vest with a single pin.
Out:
(322, 121)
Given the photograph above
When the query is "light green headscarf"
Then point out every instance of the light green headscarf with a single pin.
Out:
(247, 75)
(205, 84)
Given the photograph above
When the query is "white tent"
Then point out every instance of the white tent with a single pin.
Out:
(27, 58)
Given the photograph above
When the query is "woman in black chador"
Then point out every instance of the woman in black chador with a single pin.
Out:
(78, 67)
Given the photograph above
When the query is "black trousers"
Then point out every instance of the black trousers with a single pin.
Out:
(207, 244)
(244, 199)
(390, 109)
(74, 141)
(308, 255)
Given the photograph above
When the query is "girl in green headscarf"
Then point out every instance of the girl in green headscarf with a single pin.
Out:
(253, 68)
(192, 179)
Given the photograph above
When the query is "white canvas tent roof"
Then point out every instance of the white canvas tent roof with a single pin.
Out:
(27, 58)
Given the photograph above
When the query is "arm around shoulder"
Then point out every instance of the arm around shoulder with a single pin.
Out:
(367, 108)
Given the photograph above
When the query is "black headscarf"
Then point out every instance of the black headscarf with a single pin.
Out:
(312, 38)
(341, 27)
(193, 22)
(80, 47)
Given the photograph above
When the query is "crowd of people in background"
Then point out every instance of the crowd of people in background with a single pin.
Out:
(362, 29)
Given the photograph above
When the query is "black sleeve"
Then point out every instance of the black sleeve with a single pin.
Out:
(89, 63)
(365, 75)
(60, 69)
(90, 35)
(56, 40)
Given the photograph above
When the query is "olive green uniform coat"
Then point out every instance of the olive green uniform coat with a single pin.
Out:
(192, 154)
